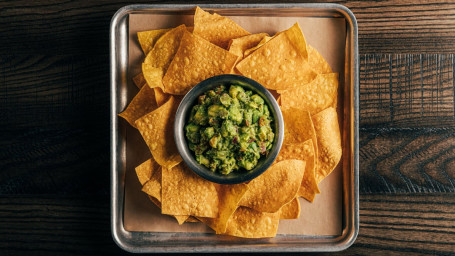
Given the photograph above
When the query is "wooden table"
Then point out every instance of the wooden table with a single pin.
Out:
(54, 132)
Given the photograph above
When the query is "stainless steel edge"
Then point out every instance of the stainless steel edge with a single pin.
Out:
(117, 231)
(141, 242)
(352, 232)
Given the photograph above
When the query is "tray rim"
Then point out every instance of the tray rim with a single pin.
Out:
(125, 238)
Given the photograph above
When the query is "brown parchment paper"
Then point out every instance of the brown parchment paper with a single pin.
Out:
(324, 215)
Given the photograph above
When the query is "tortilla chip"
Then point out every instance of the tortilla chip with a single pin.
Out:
(249, 223)
(309, 186)
(153, 186)
(157, 130)
(146, 170)
(313, 97)
(160, 96)
(238, 45)
(259, 45)
(296, 37)
(317, 62)
(276, 187)
(230, 196)
(139, 80)
(158, 59)
(280, 64)
(192, 219)
(291, 210)
(195, 60)
(165, 48)
(180, 218)
(302, 151)
(298, 127)
(297, 151)
(143, 103)
(147, 39)
(153, 75)
(216, 29)
(329, 142)
(185, 193)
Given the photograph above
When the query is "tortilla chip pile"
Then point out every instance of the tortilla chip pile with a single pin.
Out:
(179, 58)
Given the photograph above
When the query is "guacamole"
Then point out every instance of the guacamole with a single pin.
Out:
(230, 129)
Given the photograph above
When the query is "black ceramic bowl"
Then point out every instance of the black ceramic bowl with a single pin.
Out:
(181, 119)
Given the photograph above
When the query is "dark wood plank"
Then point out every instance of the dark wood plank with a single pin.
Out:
(54, 136)
(405, 26)
(393, 224)
(407, 160)
(55, 226)
(56, 27)
(407, 90)
(403, 224)
(407, 123)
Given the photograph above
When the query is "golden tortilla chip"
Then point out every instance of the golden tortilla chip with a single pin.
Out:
(216, 29)
(180, 218)
(158, 59)
(329, 142)
(298, 127)
(157, 130)
(290, 210)
(259, 45)
(276, 187)
(302, 151)
(153, 75)
(195, 60)
(296, 37)
(317, 62)
(153, 186)
(143, 103)
(229, 196)
(297, 151)
(249, 223)
(192, 219)
(281, 63)
(309, 186)
(185, 193)
(139, 80)
(238, 45)
(146, 170)
(160, 96)
(313, 97)
(165, 48)
(147, 39)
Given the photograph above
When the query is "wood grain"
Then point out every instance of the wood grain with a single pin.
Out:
(403, 224)
(405, 26)
(55, 27)
(54, 133)
(407, 160)
(407, 123)
(394, 224)
(407, 90)
(55, 226)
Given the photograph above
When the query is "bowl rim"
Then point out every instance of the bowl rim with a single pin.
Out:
(184, 109)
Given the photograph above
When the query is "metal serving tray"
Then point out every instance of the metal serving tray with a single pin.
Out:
(155, 242)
